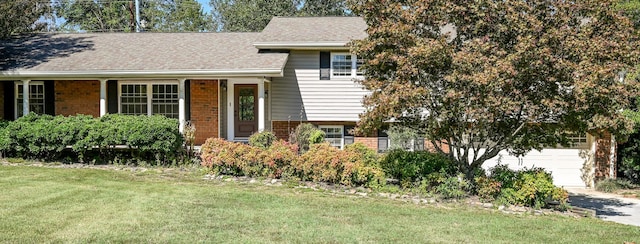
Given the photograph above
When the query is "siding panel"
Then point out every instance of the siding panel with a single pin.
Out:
(301, 91)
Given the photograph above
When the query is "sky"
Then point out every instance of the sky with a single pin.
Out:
(205, 5)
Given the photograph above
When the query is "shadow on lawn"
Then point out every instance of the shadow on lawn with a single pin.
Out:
(602, 206)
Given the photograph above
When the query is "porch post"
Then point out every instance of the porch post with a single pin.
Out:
(613, 158)
(181, 107)
(25, 97)
(261, 112)
(103, 97)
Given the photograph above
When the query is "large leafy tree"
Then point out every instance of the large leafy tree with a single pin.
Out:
(119, 16)
(250, 15)
(177, 16)
(20, 16)
(479, 77)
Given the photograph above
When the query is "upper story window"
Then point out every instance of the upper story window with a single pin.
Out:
(36, 98)
(345, 65)
(147, 98)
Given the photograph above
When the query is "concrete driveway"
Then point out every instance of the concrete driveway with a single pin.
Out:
(608, 207)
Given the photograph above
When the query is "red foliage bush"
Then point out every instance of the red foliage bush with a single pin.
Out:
(238, 159)
(321, 163)
(328, 164)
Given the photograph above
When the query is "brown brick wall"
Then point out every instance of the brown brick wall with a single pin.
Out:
(428, 146)
(602, 157)
(370, 142)
(283, 128)
(77, 97)
(204, 109)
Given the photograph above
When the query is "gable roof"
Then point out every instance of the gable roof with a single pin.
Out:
(111, 55)
(311, 32)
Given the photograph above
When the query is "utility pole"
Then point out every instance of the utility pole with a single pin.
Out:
(137, 15)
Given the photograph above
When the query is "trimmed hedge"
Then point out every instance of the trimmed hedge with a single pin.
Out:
(46, 137)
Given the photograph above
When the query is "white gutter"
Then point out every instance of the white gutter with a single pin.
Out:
(301, 45)
(89, 74)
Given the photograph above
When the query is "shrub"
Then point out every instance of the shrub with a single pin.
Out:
(278, 158)
(613, 185)
(503, 174)
(317, 136)
(369, 156)
(239, 159)
(303, 134)
(262, 139)
(46, 137)
(534, 188)
(329, 164)
(409, 167)
(487, 189)
(529, 187)
(629, 158)
(453, 187)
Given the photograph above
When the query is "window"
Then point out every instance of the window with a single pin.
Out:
(346, 65)
(148, 99)
(333, 135)
(36, 98)
(578, 140)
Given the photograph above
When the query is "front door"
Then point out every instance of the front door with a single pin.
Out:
(245, 112)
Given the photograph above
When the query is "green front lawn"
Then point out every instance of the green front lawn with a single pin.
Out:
(89, 205)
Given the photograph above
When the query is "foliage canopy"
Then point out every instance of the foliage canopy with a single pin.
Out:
(483, 76)
(20, 16)
(250, 15)
(118, 16)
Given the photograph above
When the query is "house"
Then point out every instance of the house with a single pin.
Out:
(228, 85)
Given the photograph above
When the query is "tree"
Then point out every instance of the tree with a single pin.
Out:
(20, 16)
(177, 16)
(479, 77)
(119, 16)
(324, 8)
(248, 15)
(631, 9)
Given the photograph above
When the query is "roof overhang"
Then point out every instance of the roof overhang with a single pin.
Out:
(342, 45)
(111, 74)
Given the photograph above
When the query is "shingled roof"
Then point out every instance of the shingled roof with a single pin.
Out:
(294, 32)
(128, 54)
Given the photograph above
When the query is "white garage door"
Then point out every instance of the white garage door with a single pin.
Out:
(564, 164)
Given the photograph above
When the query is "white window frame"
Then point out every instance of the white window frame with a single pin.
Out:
(149, 85)
(341, 127)
(15, 100)
(579, 141)
(354, 66)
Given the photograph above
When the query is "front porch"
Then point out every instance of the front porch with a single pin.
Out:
(230, 107)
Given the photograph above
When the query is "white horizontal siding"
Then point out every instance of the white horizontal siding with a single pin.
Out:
(319, 100)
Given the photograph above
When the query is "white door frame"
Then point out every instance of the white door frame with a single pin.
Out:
(231, 104)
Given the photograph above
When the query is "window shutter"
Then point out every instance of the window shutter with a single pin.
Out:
(348, 135)
(112, 96)
(49, 98)
(325, 65)
(187, 98)
(9, 100)
(383, 140)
